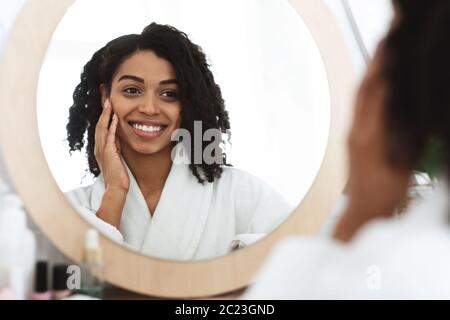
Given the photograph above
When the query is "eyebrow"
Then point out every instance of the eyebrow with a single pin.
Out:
(131, 78)
(138, 79)
(169, 81)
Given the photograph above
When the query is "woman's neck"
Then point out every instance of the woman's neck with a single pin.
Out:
(150, 171)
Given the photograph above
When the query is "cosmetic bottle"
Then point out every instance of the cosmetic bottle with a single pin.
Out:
(41, 291)
(17, 246)
(59, 282)
(7, 294)
(92, 266)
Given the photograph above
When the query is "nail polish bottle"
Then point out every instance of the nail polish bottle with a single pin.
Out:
(41, 291)
(59, 282)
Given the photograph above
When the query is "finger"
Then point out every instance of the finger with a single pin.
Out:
(111, 139)
(105, 116)
(101, 129)
(118, 145)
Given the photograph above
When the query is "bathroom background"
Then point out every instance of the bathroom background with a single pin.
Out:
(363, 22)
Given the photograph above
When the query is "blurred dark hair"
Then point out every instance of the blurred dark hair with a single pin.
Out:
(199, 95)
(416, 68)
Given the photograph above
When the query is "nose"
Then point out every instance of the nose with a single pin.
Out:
(149, 106)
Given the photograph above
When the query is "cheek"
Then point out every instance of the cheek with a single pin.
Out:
(122, 107)
(175, 116)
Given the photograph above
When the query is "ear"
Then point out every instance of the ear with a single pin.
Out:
(103, 93)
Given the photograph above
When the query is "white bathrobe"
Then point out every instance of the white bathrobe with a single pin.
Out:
(191, 221)
(407, 257)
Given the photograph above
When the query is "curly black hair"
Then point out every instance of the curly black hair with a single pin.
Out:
(416, 69)
(199, 95)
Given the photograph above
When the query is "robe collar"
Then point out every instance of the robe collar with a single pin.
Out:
(177, 225)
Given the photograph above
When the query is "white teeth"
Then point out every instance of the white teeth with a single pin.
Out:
(145, 128)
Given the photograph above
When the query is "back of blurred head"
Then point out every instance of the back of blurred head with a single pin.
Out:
(416, 70)
(402, 114)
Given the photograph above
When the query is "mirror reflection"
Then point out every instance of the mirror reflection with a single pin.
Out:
(189, 137)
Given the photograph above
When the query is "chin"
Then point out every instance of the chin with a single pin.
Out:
(150, 149)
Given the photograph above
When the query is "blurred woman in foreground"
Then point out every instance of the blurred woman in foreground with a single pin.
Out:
(402, 108)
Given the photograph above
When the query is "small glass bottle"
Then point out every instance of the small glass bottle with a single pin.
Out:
(92, 266)
(60, 288)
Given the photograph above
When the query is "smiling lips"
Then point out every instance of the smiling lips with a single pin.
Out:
(147, 129)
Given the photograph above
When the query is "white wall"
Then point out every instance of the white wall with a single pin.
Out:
(372, 18)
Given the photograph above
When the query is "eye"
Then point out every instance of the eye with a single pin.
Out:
(169, 94)
(131, 90)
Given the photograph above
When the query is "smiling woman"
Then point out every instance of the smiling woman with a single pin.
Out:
(150, 85)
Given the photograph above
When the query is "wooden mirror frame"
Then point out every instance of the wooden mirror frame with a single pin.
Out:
(19, 138)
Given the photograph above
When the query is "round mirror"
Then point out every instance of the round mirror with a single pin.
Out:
(275, 90)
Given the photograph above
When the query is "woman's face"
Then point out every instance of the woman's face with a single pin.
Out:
(144, 95)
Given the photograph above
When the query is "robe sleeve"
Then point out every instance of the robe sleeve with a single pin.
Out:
(80, 201)
(298, 268)
(107, 229)
(259, 210)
